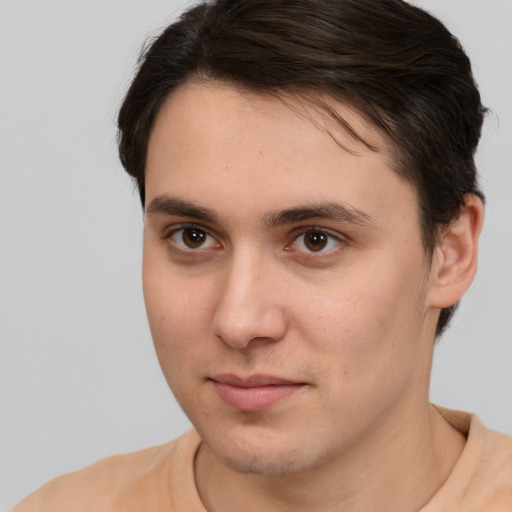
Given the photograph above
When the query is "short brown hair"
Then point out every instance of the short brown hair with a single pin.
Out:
(395, 63)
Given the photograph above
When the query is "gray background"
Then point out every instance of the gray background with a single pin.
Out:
(78, 377)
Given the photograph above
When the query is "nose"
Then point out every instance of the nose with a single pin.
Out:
(248, 308)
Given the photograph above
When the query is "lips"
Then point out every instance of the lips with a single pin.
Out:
(255, 392)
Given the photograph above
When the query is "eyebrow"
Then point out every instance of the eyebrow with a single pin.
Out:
(338, 212)
(167, 205)
(334, 211)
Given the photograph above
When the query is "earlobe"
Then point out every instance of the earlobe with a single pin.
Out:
(455, 258)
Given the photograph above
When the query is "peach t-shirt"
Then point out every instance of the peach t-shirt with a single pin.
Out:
(162, 478)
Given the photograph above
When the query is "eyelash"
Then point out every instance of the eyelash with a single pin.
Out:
(330, 238)
(188, 227)
(296, 236)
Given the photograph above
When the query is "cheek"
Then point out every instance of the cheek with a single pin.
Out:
(365, 326)
(364, 353)
(178, 338)
(178, 318)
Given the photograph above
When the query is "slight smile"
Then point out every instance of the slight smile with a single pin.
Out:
(253, 393)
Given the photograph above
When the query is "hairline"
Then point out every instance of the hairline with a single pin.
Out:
(317, 98)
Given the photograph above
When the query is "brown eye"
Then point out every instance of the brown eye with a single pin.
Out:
(316, 240)
(193, 238)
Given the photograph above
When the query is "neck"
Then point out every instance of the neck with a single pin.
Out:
(392, 469)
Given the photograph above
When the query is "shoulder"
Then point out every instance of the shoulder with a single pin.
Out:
(482, 478)
(490, 452)
(495, 472)
(133, 481)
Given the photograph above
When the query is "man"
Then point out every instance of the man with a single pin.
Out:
(312, 217)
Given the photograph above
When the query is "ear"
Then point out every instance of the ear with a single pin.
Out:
(455, 258)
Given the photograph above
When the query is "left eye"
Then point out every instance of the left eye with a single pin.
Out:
(315, 240)
(192, 238)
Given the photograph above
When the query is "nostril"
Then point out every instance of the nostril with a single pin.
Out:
(239, 329)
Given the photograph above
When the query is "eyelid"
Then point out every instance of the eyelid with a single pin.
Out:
(170, 230)
(341, 240)
(176, 228)
(296, 234)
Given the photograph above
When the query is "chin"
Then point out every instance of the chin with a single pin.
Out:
(263, 464)
(257, 454)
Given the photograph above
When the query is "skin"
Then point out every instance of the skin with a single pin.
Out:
(353, 323)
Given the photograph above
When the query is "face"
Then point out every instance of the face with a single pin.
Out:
(285, 280)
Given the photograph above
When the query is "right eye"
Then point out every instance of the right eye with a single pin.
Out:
(191, 238)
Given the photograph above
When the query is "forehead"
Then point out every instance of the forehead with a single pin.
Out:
(217, 144)
(215, 101)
